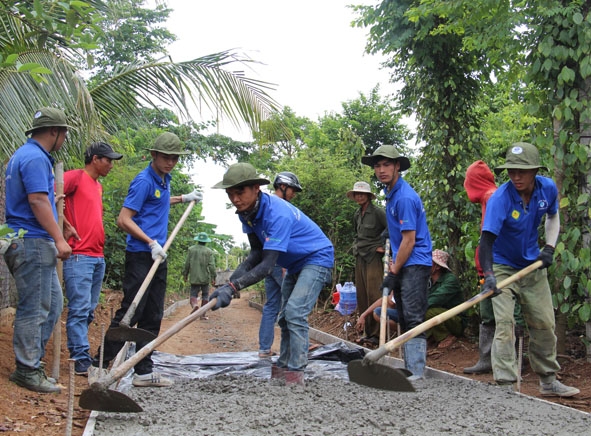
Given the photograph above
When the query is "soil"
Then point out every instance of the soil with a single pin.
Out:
(229, 330)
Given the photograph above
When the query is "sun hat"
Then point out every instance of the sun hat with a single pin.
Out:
(389, 152)
(441, 257)
(362, 187)
(102, 149)
(168, 143)
(48, 117)
(240, 174)
(521, 156)
(202, 237)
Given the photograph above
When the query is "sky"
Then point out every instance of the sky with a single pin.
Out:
(307, 48)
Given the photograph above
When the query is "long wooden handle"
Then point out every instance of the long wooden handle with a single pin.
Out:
(385, 293)
(122, 369)
(141, 291)
(423, 327)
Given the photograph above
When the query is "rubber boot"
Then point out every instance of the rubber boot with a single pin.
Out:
(415, 357)
(294, 378)
(485, 338)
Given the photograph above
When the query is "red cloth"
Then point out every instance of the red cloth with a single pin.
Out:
(480, 185)
(84, 210)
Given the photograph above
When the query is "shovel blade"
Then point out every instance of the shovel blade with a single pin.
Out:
(376, 375)
(106, 400)
(128, 334)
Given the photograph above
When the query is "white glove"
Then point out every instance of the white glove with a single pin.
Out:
(195, 196)
(157, 250)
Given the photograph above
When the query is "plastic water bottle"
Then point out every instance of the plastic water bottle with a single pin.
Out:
(348, 299)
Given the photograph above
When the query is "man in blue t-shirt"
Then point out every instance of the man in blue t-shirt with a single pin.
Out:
(410, 242)
(144, 216)
(279, 233)
(509, 243)
(32, 260)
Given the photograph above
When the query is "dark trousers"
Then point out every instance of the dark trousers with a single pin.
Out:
(149, 312)
(411, 298)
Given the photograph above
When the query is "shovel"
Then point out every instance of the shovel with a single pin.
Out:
(124, 332)
(99, 397)
(369, 373)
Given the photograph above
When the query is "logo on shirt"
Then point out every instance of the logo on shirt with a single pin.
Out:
(157, 193)
(515, 214)
(542, 205)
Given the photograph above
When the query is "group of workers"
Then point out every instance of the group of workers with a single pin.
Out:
(286, 247)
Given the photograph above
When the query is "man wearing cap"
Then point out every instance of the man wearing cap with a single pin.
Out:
(85, 269)
(410, 243)
(199, 269)
(445, 293)
(509, 243)
(32, 260)
(279, 233)
(144, 216)
(369, 222)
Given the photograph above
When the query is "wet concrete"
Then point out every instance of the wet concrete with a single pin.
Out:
(331, 405)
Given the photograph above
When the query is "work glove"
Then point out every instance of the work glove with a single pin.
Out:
(391, 281)
(546, 256)
(223, 295)
(195, 196)
(157, 250)
(490, 282)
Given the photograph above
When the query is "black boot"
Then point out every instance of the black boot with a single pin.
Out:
(485, 338)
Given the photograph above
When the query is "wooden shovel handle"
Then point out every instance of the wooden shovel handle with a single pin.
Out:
(141, 291)
(423, 327)
(385, 293)
(122, 369)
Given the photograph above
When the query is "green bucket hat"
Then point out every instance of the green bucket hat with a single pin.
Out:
(521, 156)
(202, 237)
(168, 143)
(240, 174)
(388, 152)
(48, 117)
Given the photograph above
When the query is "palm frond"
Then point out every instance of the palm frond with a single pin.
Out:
(22, 96)
(207, 79)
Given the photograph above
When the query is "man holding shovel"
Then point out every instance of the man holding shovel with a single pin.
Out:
(144, 216)
(279, 233)
(411, 250)
(509, 242)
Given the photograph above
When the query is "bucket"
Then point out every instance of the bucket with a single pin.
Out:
(348, 299)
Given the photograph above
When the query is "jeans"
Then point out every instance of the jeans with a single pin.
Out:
(83, 279)
(149, 311)
(32, 263)
(411, 298)
(392, 314)
(271, 309)
(299, 292)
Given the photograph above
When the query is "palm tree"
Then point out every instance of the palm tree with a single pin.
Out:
(39, 62)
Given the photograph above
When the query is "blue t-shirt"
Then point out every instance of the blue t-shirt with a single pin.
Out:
(282, 227)
(516, 227)
(405, 211)
(149, 197)
(29, 171)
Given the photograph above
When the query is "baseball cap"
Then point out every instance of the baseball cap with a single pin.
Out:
(102, 149)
